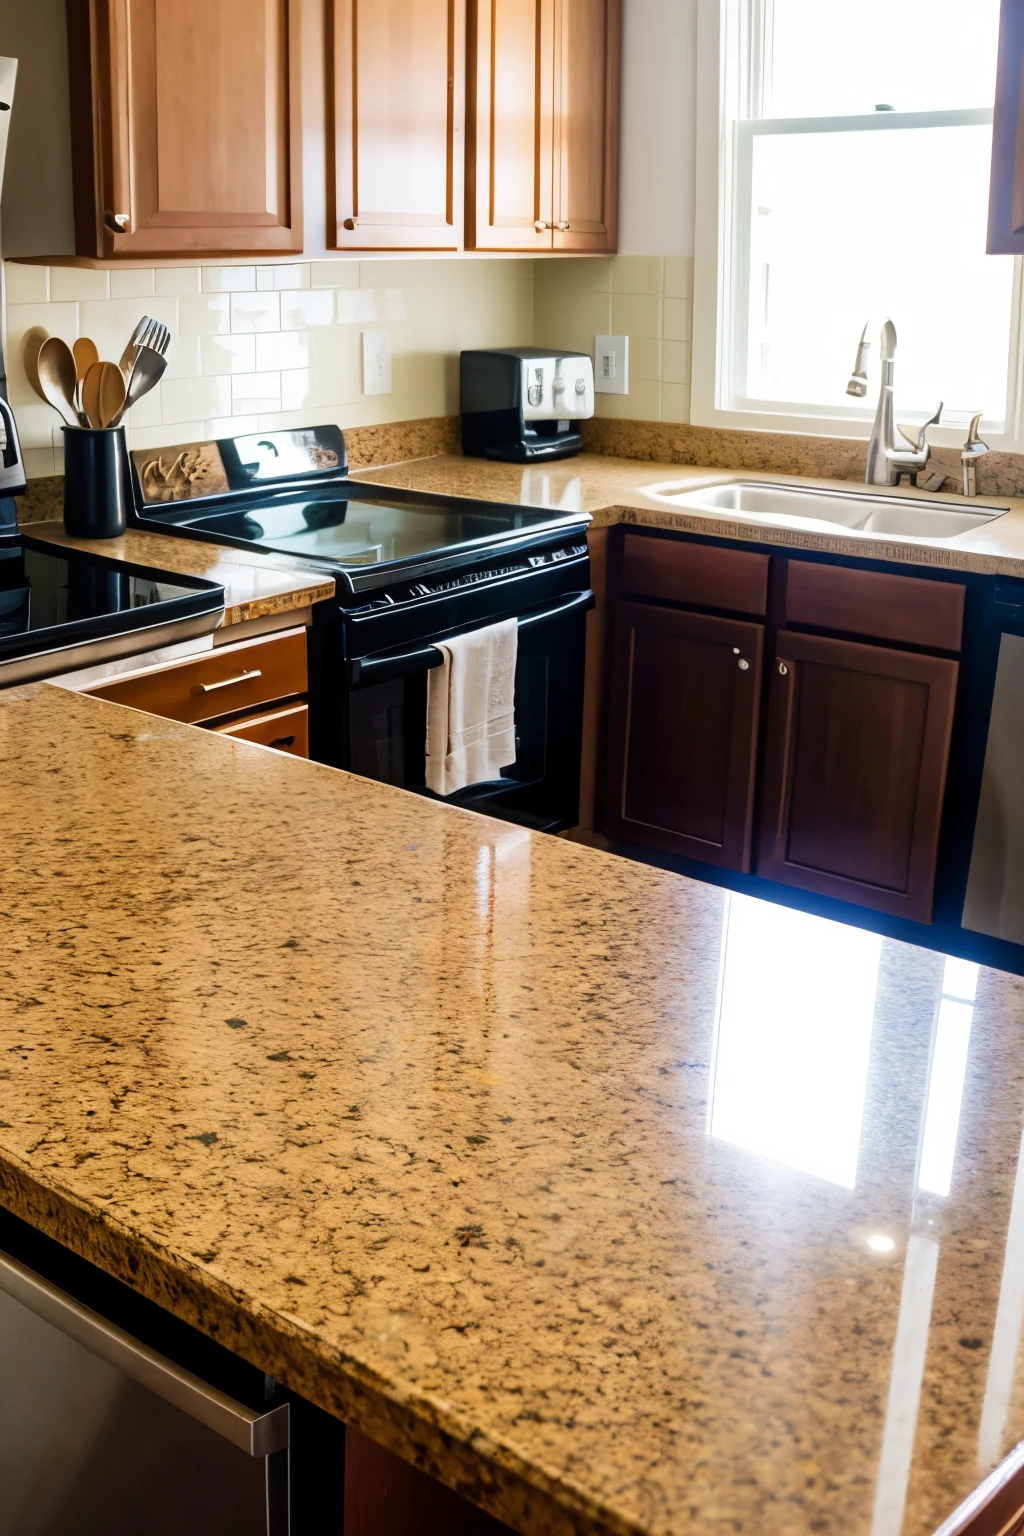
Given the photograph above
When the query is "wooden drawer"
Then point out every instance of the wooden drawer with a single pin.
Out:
(679, 572)
(218, 682)
(285, 729)
(909, 609)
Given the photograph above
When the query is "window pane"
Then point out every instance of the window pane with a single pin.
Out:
(828, 251)
(832, 57)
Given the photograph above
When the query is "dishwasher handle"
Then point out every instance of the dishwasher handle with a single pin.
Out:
(256, 1433)
(383, 668)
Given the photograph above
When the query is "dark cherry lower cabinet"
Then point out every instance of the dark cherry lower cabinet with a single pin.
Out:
(683, 732)
(857, 744)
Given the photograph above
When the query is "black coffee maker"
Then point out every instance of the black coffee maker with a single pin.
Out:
(523, 404)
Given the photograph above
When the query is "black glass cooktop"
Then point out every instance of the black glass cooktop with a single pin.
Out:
(366, 531)
(49, 601)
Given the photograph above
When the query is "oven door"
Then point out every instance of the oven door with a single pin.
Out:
(384, 733)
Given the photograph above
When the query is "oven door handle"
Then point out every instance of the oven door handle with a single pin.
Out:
(382, 669)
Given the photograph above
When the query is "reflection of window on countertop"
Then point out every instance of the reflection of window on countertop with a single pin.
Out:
(946, 1078)
(793, 1036)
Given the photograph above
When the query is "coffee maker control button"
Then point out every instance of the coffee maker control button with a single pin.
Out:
(581, 386)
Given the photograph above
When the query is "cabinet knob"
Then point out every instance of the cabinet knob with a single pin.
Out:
(783, 669)
(117, 223)
(743, 664)
(350, 224)
(562, 224)
(540, 225)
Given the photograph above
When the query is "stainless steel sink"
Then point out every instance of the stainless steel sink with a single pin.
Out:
(860, 512)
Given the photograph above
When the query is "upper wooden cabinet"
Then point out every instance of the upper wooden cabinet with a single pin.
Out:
(396, 109)
(543, 129)
(1006, 195)
(186, 129)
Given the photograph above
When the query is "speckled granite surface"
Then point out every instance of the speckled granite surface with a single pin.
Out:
(410, 1107)
(253, 586)
(615, 491)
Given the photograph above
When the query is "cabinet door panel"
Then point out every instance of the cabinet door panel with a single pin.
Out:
(683, 732)
(509, 116)
(1006, 191)
(194, 128)
(396, 105)
(858, 741)
(587, 48)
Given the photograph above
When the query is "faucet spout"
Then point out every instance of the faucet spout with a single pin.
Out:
(890, 454)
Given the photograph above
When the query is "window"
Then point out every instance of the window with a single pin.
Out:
(852, 184)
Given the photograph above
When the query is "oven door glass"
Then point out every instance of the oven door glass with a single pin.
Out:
(387, 724)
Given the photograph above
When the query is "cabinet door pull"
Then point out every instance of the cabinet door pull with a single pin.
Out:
(540, 225)
(283, 742)
(562, 224)
(743, 664)
(350, 224)
(117, 223)
(783, 669)
(228, 682)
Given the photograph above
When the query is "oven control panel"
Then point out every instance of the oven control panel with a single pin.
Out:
(441, 585)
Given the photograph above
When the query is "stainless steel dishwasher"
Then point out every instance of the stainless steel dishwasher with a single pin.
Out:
(101, 1435)
(995, 885)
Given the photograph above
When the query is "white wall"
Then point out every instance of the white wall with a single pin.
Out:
(659, 87)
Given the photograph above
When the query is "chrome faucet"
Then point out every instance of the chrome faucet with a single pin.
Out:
(891, 455)
(970, 453)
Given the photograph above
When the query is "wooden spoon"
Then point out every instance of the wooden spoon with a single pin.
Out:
(103, 394)
(58, 377)
(86, 353)
(33, 341)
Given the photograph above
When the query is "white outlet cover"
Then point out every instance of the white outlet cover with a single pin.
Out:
(611, 365)
(376, 362)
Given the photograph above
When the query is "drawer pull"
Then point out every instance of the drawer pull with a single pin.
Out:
(228, 682)
(283, 741)
(783, 669)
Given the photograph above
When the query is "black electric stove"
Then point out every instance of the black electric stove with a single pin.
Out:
(64, 609)
(410, 570)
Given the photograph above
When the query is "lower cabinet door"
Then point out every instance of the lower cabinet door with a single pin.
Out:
(683, 732)
(855, 771)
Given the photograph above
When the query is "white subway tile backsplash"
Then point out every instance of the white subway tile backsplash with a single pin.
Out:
(636, 314)
(278, 344)
(255, 312)
(283, 349)
(70, 283)
(675, 402)
(229, 279)
(255, 392)
(678, 319)
(231, 426)
(26, 284)
(677, 362)
(292, 276)
(187, 399)
(356, 306)
(132, 283)
(178, 280)
(315, 307)
(204, 314)
(637, 274)
(226, 354)
(334, 274)
(169, 435)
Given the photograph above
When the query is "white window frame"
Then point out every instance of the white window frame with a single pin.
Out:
(724, 140)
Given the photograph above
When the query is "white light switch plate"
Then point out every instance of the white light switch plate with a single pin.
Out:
(611, 365)
(376, 362)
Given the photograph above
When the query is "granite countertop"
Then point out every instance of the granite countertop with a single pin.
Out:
(429, 1117)
(613, 491)
(253, 586)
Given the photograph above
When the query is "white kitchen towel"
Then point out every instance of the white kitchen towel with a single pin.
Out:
(471, 708)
